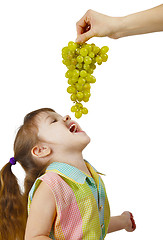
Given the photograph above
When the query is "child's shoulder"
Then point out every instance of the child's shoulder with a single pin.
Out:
(47, 178)
(39, 208)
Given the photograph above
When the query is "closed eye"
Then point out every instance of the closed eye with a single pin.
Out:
(54, 121)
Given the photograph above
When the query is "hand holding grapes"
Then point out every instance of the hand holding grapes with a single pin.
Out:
(94, 24)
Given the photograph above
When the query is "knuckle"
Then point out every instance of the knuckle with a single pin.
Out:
(89, 11)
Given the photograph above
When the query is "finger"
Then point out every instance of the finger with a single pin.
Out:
(80, 28)
(82, 23)
(85, 36)
(133, 221)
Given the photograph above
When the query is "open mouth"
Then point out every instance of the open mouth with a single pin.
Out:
(74, 128)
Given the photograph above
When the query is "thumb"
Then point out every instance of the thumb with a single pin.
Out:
(85, 36)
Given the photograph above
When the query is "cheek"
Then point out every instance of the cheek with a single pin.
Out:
(58, 135)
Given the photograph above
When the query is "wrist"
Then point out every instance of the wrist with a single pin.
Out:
(125, 26)
(124, 220)
(117, 223)
(116, 27)
(122, 30)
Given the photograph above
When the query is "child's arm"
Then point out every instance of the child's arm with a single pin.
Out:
(124, 221)
(42, 214)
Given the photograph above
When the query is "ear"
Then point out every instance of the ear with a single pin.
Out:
(40, 151)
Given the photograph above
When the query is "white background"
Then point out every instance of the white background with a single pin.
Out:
(125, 109)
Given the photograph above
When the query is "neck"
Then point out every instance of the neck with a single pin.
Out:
(72, 158)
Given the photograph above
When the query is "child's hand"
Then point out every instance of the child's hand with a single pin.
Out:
(94, 24)
(129, 221)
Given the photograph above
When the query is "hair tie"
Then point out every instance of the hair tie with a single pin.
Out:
(12, 161)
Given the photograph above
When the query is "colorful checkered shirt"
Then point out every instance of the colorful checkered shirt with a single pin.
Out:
(83, 211)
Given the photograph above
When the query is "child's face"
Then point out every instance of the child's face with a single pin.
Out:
(59, 131)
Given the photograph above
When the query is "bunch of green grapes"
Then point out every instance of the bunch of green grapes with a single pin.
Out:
(81, 59)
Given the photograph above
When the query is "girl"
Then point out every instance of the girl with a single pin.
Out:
(66, 197)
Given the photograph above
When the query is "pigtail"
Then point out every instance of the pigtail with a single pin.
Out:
(13, 203)
(12, 219)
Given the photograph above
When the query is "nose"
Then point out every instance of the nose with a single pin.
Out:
(66, 118)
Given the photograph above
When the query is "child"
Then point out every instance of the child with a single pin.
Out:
(66, 197)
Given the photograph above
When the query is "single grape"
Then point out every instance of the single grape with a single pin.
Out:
(104, 57)
(78, 114)
(83, 73)
(77, 51)
(99, 60)
(93, 60)
(86, 67)
(66, 62)
(71, 89)
(88, 78)
(80, 59)
(71, 67)
(86, 99)
(70, 82)
(72, 46)
(74, 80)
(79, 65)
(92, 79)
(84, 110)
(81, 81)
(92, 66)
(91, 54)
(64, 56)
(83, 52)
(87, 86)
(75, 73)
(74, 108)
(65, 50)
(69, 56)
(88, 47)
(79, 106)
(73, 97)
(96, 49)
(90, 70)
(86, 94)
(68, 74)
(74, 61)
(79, 95)
(87, 60)
(79, 87)
(104, 49)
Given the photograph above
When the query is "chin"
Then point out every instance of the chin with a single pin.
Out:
(86, 141)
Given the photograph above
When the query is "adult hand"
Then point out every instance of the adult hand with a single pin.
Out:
(94, 24)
